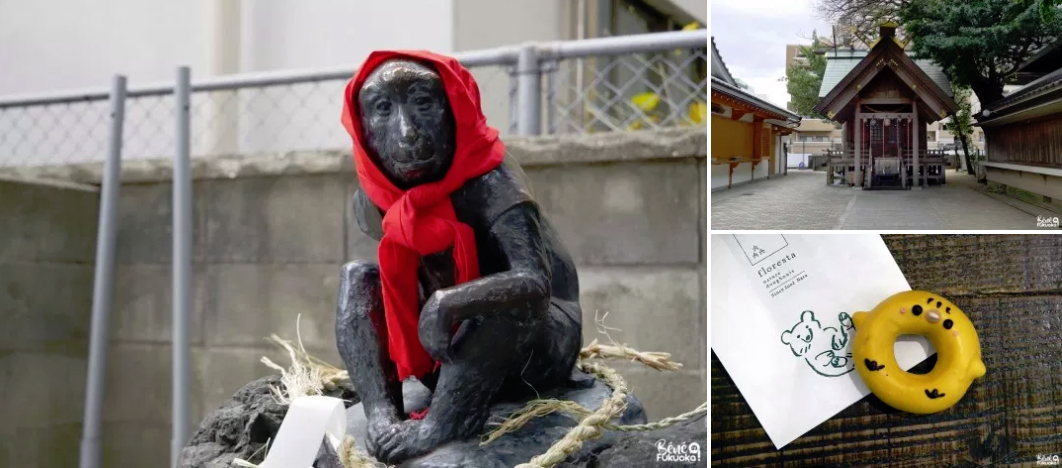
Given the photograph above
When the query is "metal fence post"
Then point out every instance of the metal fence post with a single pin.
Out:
(529, 92)
(514, 108)
(551, 95)
(103, 284)
(182, 267)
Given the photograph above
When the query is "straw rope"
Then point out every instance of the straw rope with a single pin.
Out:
(308, 375)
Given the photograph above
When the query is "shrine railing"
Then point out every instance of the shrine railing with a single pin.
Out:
(594, 85)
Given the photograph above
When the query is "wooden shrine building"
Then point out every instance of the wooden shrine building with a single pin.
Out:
(747, 143)
(1023, 131)
(885, 99)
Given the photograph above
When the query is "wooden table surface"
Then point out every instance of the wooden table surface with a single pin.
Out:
(1011, 288)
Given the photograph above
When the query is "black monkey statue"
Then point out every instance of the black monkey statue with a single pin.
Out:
(474, 294)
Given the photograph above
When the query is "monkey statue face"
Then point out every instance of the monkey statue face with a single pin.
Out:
(407, 123)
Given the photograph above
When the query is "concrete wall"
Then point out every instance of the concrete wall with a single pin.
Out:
(47, 249)
(271, 233)
(1041, 184)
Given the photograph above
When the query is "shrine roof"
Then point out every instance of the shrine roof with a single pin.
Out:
(719, 68)
(725, 83)
(1032, 100)
(721, 86)
(1045, 60)
(841, 62)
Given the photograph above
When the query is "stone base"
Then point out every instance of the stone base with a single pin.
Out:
(242, 427)
(516, 447)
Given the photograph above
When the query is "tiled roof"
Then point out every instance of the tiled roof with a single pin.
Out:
(1044, 59)
(719, 68)
(722, 86)
(1047, 83)
(839, 63)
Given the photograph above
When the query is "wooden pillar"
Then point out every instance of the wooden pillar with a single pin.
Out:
(770, 152)
(844, 139)
(910, 134)
(857, 178)
(870, 160)
(917, 182)
(757, 135)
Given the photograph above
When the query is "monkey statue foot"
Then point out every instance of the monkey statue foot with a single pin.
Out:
(509, 450)
(407, 439)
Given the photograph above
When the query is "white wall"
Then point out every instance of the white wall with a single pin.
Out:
(742, 174)
(285, 34)
(698, 9)
(52, 45)
(720, 177)
(683, 10)
(47, 45)
(320, 33)
(484, 24)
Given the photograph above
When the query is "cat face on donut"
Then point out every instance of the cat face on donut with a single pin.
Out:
(934, 312)
(917, 313)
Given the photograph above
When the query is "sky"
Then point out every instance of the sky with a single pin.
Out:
(752, 35)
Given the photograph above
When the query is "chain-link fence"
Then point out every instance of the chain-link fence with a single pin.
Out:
(54, 132)
(627, 92)
(596, 85)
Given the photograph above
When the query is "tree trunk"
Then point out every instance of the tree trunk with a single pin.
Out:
(987, 92)
(966, 153)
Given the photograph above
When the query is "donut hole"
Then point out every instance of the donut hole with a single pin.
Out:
(923, 367)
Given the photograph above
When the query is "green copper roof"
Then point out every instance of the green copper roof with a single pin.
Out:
(839, 63)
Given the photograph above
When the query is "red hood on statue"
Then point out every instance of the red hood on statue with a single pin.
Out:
(421, 220)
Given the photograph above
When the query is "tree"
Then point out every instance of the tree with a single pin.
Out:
(861, 18)
(961, 124)
(1049, 10)
(979, 43)
(803, 82)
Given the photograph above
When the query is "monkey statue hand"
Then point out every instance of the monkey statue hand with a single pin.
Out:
(436, 326)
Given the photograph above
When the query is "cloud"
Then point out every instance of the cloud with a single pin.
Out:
(752, 35)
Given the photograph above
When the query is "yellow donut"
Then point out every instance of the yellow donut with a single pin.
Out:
(917, 313)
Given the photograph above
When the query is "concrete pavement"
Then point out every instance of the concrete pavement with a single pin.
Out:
(802, 200)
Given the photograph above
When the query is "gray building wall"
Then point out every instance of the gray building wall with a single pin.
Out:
(486, 24)
(695, 9)
(271, 234)
(47, 249)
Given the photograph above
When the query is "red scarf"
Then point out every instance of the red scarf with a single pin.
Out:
(421, 220)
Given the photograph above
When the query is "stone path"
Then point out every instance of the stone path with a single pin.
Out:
(802, 200)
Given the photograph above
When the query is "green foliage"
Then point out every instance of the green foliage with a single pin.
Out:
(961, 124)
(980, 43)
(1049, 10)
(803, 82)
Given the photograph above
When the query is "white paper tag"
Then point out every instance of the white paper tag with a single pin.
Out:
(309, 420)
